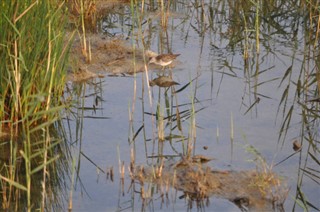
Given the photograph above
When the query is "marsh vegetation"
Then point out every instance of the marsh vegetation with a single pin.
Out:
(87, 123)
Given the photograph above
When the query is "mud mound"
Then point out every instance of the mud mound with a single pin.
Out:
(249, 190)
(107, 56)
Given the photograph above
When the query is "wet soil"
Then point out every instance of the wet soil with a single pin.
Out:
(249, 190)
(107, 56)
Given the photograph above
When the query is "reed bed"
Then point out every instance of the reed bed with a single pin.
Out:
(33, 69)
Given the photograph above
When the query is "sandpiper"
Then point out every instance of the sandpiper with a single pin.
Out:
(163, 59)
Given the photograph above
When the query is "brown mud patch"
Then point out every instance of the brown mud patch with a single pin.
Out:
(107, 56)
(249, 190)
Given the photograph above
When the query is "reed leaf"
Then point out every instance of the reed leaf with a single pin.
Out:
(39, 168)
(13, 183)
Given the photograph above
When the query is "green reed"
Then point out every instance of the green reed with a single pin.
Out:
(32, 78)
(34, 52)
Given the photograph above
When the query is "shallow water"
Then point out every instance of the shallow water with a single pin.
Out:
(225, 88)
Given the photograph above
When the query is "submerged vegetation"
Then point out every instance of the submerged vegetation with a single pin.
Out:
(34, 46)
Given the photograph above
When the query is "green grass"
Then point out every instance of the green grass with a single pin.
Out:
(34, 53)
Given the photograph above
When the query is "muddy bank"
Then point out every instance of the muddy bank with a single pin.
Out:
(106, 56)
(249, 190)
